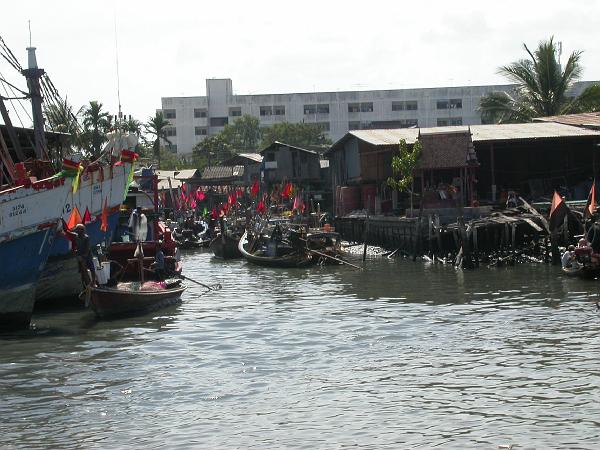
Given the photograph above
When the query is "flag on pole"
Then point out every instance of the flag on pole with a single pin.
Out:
(74, 219)
(558, 211)
(255, 188)
(261, 207)
(104, 221)
(87, 217)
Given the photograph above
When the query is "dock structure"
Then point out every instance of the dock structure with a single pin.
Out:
(467, 241)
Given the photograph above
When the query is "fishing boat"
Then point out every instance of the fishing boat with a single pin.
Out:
(101, 190)
(225, 246)
(28, 219)
(264, 251)
(127, 299)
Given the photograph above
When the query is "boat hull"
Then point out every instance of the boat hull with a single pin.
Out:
(113, 303)
(28, 221)
(225, 248)
(61, 280)
(287, 261)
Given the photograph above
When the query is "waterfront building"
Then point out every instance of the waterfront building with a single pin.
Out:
(195, 118)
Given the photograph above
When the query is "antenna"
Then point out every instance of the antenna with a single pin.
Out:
(29, 25)
(118, 79)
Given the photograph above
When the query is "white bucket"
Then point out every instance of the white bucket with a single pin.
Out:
(106, 270)
(100, 274)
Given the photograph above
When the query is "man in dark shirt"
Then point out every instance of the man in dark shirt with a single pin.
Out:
(159, 262)
(84, 251)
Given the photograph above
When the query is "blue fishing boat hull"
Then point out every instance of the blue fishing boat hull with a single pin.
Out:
(60, 278)
(22, 262)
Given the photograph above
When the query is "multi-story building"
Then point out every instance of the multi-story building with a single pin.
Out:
(194, 118)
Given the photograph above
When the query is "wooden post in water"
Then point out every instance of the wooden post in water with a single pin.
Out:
(554, 248)
(366, 230)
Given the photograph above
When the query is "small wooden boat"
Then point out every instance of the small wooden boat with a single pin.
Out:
(128, 299)
(582, 271)
(264, 254)
(225, 246)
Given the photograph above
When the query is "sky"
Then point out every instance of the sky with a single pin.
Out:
(168, 48)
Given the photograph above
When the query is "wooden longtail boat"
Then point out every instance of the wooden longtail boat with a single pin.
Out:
(125, 300)
(225, 247)
(285, 256)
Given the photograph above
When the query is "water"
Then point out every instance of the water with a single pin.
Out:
(401, 355)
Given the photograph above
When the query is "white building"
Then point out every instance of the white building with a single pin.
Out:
(194, 118)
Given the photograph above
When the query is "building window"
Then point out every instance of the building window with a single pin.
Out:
(412, 105)
(442, 122)
(279, 110)
(219, 121)
(397, 106)
(235, 112)
(199, 113)
(200, 131)
(442, 104)
(323, 126)
(170, 114)
(266, 110)
(353, 107)
(366, 107)
(171, 131)
(323, 109)
(456, 121)
(172, 148)
(456, 103)
(408, 123)
(354, 125)
(310, 109)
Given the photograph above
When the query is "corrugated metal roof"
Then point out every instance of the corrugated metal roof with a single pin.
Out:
(283, 144)
(253, 156)
(185, 174)
(222, 172)
(243, 158)
(480, 133)
(579, 120)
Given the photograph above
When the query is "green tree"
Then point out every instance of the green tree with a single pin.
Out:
(157, 128)
(299, 134)
(213, 150)
(96, 123)
(542, 86)
(243, 134)
(404, 165)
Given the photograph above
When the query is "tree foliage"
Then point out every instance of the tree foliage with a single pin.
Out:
(404, 165)
(298, 134)
(542, 88)
(213, 150)
(243, 135)
(96, 124)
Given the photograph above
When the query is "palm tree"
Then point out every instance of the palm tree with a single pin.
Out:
(157, 127)
(542, 88)
(133, 126)
(96, 123)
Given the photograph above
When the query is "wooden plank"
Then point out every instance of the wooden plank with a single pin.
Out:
(533, 211)
(532, 224)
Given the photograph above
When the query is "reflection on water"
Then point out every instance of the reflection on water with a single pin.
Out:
(398, 355)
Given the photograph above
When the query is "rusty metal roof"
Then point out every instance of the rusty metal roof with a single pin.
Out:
(585, 120)
(277, 144)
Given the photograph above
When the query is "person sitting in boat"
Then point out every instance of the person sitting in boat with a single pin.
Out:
(568, 257)
(84, 252)
(159, 262)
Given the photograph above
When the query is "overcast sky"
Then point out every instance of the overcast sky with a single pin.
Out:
(168, 48)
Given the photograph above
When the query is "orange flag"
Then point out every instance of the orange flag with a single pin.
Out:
(104, 222)
(74, 219)
(590, 207)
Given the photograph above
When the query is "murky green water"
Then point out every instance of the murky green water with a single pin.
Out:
(401, 355)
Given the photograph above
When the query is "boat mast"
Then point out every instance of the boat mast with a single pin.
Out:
(33, 75)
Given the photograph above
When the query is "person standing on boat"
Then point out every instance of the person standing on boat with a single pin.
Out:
(159, 262)
(138, 225)
(84, 252)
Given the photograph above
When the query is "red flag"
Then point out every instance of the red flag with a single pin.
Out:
(193, 204)
(87, 217)
(287, 191)
(104, 222)
(296, 203)
(302, 207)
(255, 188)
(74, 219)
(183, 188)
(558, 211)
(590, 206)
(214, 213)
(260, 207)
(229, 199)
(200, 196)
